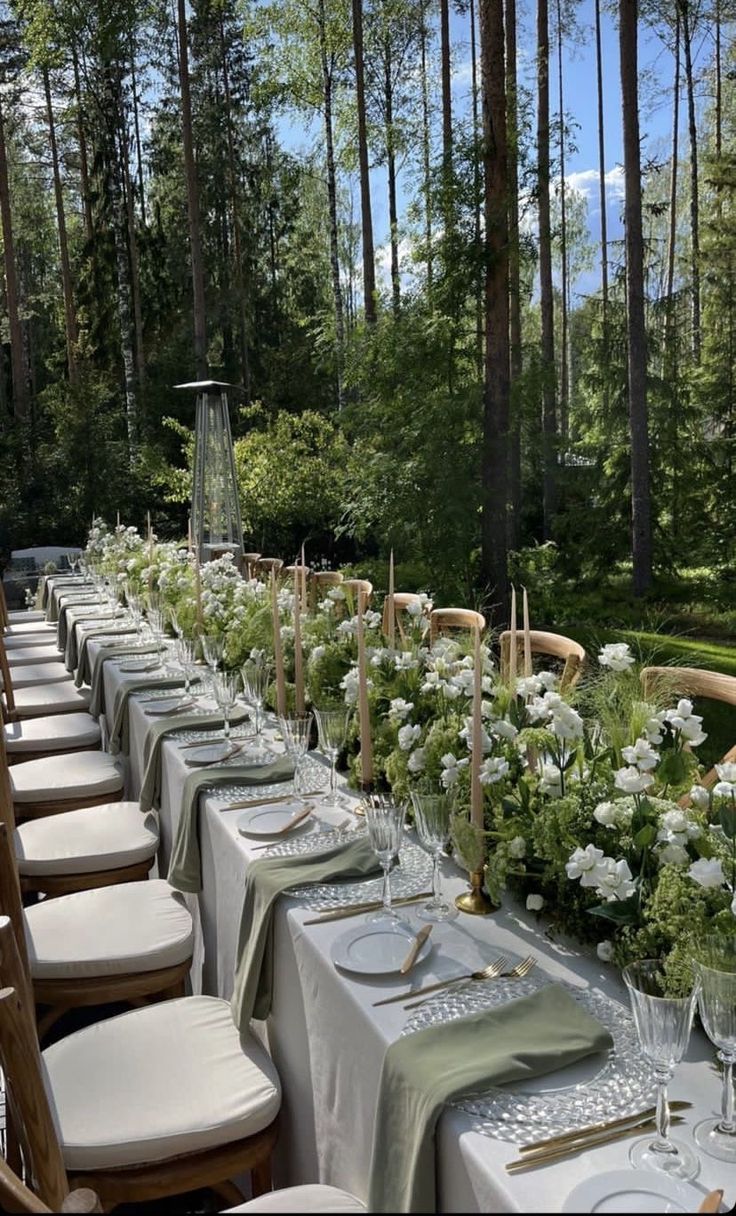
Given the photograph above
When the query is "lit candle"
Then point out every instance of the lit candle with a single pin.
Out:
(298, 661)
(391, 603)
(527, 638)
(278, 652)
(366, 744)
(513, 644)
(476, 789)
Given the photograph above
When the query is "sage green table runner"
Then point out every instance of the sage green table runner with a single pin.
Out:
(265, 881)
(185, 869)
(118, 741)
(155, 735)
(423, 1071)
(85, 672)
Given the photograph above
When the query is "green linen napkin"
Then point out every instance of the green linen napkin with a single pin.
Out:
(265, 880)
(97, 677)
(421, 1072)
(118, 740)
(157, 732)
(85, 671)
(48, 581)
(82, 616)
(185, 869)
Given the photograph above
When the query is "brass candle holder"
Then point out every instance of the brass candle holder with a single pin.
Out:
(476, 901)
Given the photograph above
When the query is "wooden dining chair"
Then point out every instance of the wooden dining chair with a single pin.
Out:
(250, 560)
(15, 1196)
(37, 701)
(130, 942)
(402, 601)
(147, 1104)
(692, 682)
(320, 583)
(265, 565)
(358, 587)
(551, 645)
(442, 619)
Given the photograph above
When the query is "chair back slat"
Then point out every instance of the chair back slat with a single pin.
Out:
(15, 1195)
(21, 1063)
(7, 688)
(555, 645)
(442, 619)
(250, 560)
(4, 616)
(7, 812)
(265, 565)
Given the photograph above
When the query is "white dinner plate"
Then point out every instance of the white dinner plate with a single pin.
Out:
(166, 705)
(268, 820)
(633, 1191)
(137, 665)
(376, 948)
(211, 754)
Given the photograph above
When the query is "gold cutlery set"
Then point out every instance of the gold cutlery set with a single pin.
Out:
(493, 971)
(556, 1148)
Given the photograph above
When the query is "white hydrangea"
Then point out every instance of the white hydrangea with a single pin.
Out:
(517, 847)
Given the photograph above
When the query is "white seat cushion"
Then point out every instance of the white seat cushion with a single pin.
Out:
(23, 655)
(20, 616)
(17, 641)
(128, 928)
(312, 1198)
(106, 837)
(57, 733)
(35, 674)
(50, 699)
(160, 1082)
(83, 774)
(20, 629)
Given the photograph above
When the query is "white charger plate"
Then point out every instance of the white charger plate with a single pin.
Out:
(271, 820)
(165, 705)
(137, 664)
(211, 754)
(633, 1190)
(376, 948)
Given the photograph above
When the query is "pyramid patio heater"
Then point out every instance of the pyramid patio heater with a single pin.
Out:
(216, 525)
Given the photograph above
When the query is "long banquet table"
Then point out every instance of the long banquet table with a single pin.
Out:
(328, 1041)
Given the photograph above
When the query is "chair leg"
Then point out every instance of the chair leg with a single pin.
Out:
(260, 1176)
(49, 1019)
(228, 1192)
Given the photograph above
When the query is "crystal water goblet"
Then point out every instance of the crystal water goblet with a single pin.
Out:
(715, 965)
(296, 729)
(432, 819)
(385, 822)
(157, 624)
(212, 650)
(256, 674)
(332, 725)
(225, 688)
(184, 651)
(663, 1025)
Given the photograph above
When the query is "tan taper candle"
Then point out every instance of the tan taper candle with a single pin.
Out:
(476, 789)
(512, 649)
(527, 638)
(298, 657)
(150, 554)
(278, 650)
(391, 603)
(366, 743)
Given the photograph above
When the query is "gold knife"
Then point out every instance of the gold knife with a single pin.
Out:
(712, 1202)
(546, 1156)
(417, 944)
(358, 909)
(596, 1128)
(246, 804)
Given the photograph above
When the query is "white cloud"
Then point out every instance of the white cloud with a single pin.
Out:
(586, 182)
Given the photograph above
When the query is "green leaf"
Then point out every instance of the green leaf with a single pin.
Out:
(672, 769)
(623, 912)
(645, 836)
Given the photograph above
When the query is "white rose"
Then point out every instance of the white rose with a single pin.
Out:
(494, 769)
(727, 771)
(582, 861)
(673, 854)
(616, 656)
(707, 872)
(408, 736)
(632, 781)
(534, 903)
(415, 763)
(700, 797)
(642, 755)
(615, 881)
(724, 789)
(606, 814)
(399, 708)
(604, 950)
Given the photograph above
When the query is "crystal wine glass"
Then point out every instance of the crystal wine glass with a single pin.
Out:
(256, 674)
(157, 623)
(225, 687)
(385, 823)
(432, 818)
(296, 729)
(332, 725)
(715, 965)
(212, 649)
(663, 1025)
(184, 651)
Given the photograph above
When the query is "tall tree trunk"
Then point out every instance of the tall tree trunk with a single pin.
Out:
(446, 75)
(135, 276)
(83, 162)
(137, 130)
(369, 261)
(549, 411)
(564, 277)
(332, 200)
(235, 209)
(603, 201)
(18, 363)
(672, 237)
(514, 279)
(70, 316)
(393, 213)
(718, 118)
(190, 172)
(496, 387)
(641, 528)
(114, 164)
(476, 192)
(426, 144)
(684, 8)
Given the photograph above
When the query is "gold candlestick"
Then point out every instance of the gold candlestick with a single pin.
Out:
(476, 901)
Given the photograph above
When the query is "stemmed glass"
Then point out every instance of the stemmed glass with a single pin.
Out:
(663, 1025)
(158, 630)
(256, 674)
(225, 687)
(296, 729)
(212, 649)
(332, 725)
(385, 823)
(432, 818)
(715, 965)
(184, 651)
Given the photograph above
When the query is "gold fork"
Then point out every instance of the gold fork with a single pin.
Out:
(516, 973)
(489, 972)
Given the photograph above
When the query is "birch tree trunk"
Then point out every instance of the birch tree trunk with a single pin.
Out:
(515, 334)
(549, 411)
(366, 218)
(332, 200)
(18, 363)
(190, 172)
(70, 316)
(83, 162)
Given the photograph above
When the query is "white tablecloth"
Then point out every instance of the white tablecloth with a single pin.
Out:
(328, 1041)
